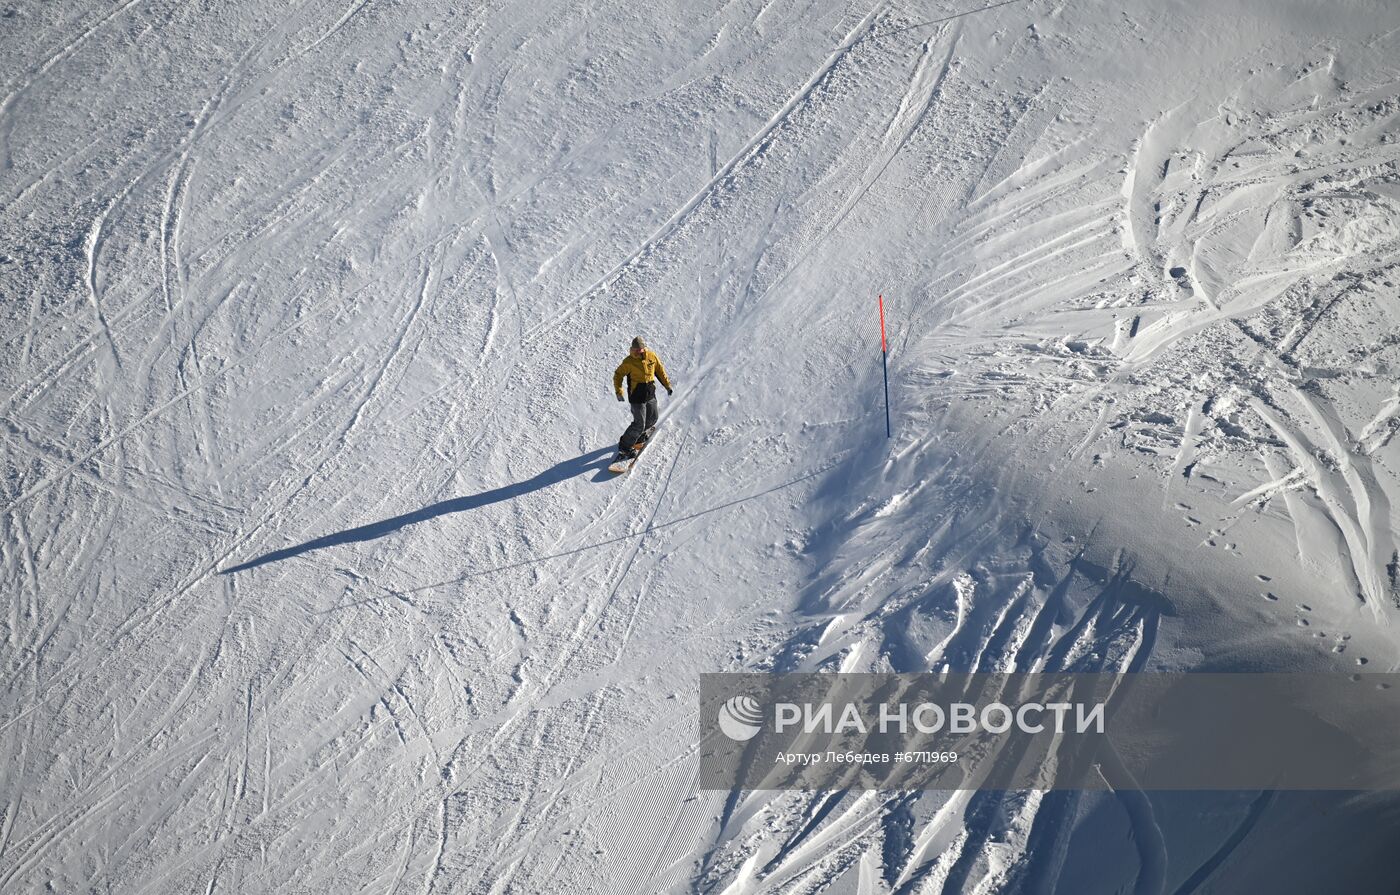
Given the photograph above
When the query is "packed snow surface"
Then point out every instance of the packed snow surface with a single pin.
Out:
(314, 577)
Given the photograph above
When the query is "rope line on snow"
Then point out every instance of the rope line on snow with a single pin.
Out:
(826, 467)
(947, 18)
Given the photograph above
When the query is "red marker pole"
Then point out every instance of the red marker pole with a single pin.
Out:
(885, 365)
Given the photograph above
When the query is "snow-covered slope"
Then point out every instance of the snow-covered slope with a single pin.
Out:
(316, 582)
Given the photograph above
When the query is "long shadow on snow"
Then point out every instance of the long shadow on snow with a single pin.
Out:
(555, 474)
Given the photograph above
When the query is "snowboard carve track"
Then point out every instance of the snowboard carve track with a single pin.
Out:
(1005, 623)
(1350, 517)
(751, 150)
(21, 85)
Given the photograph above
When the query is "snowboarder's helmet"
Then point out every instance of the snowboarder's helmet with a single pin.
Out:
(638, 344)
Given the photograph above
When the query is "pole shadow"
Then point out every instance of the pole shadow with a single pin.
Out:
(555, 474)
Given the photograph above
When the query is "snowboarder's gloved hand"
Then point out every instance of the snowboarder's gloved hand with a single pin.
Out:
(669, 392)
(619, 397)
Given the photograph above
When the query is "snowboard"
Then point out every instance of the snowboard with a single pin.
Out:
(622, 464)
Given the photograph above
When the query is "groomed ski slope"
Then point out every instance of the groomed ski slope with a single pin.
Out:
(315, 581)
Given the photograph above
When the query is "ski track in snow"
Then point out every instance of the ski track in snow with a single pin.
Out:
(315, 574)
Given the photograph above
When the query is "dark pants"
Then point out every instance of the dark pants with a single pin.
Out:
(643, 418)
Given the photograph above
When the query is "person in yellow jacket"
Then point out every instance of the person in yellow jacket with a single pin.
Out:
(642, 369)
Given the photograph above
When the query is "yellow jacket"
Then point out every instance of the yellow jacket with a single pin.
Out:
(640, 371)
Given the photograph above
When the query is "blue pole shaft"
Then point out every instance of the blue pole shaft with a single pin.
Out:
(885, 364)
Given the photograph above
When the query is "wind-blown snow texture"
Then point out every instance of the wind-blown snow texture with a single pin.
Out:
(314, 579)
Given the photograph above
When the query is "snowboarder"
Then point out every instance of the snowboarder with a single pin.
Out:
(642, 369)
